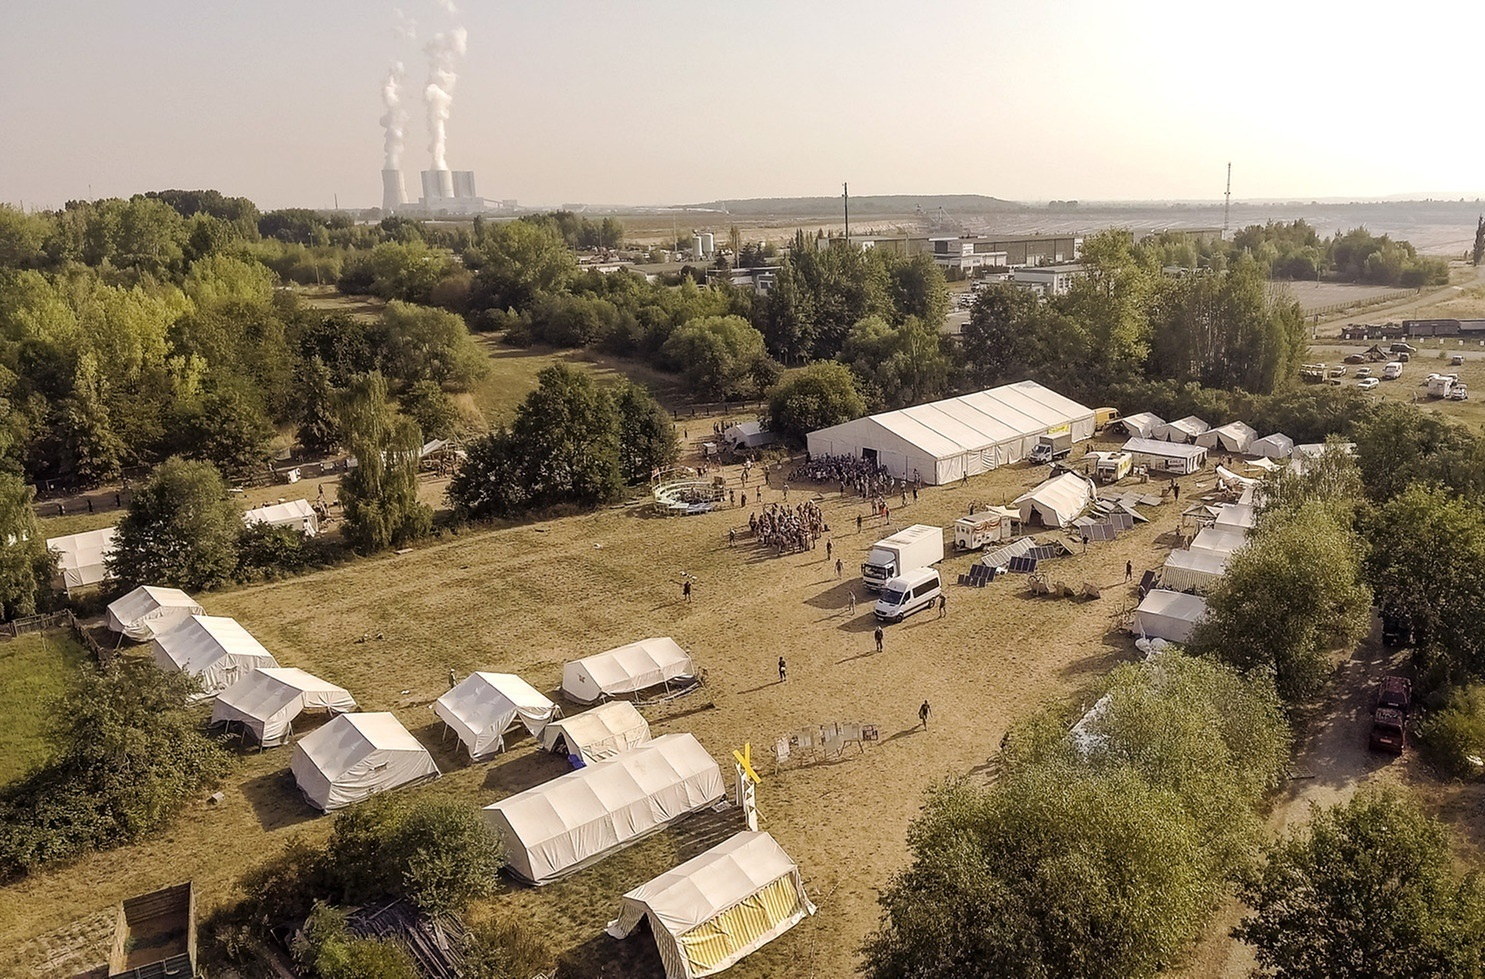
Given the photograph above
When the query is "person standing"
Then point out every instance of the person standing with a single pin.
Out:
(1128, 570)
(783, 670)
(858, 523)
(943, 605)
(923, 715)
(828, 549)
(838, 567)
(686, 591)
(853, 602)
(878, 635)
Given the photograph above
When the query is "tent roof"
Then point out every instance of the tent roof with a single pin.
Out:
(747, 428)
(1278, 440)
(1067, 494)
(1204, 562)
(978, 421)
(625, 669)
(703, 887)
(347, 739)
(1173, 605)
(1214, 539)
(279, 513)
(268, 690)
(1236, 516)
(201, 640)
(555, 808)
(1157, 447)
(1144, 421)
(482, 699)
(83, 550)
(596, 724)
(146, 599)
(1240, 432)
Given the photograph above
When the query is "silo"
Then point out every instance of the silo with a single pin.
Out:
(708, 244)
(696, 251)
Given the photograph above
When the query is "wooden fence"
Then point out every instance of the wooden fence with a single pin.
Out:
(54, 620)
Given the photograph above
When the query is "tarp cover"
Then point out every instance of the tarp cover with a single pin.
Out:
(148, 610)
(1058, 501)
(1169, 615)
(577, 819)
(1221, 541)
(297, 514)
(596, 734)
(1232, 437)
(1193, 570)
(626, 670)
(1236, 517)
(749, 435)
(214, 648)
(1275, 446)
(1141, 424)
(267, 700)
(80, 557)
(483, 706)
(714, 910)
(1182, 429)
(356, 756)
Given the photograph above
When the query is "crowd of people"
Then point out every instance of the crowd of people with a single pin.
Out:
(788, 530)
(865, 479)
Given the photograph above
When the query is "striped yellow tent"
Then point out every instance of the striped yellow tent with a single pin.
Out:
(711, 912)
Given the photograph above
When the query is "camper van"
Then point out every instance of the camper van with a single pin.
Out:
(1111, 467)
(974, 532)
(909, 593)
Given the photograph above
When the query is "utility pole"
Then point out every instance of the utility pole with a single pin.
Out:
(846, 195)
(1227, 202)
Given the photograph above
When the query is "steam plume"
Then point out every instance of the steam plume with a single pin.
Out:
(444, 52)
(395, 118)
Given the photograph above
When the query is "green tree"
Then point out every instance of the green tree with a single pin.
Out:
(995, 337)
(1367, 889)
(1290, 594)
(1478, 251)
(379, 494)
(1397, 445)
(422, 343)
(21, 237)
(319, 428)
(814, 397)
(515, 262)
(26, 566)
(717, 354)
(181, 530)
(228, 429)
(328, 948)
(901, 365)
(647, 439)
(435, 413)
(90, 447)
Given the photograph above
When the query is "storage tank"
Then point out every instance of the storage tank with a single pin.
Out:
(708, 244)
(696, 251)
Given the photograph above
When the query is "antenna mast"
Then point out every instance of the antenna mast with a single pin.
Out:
(1227, 202)
(845, 190)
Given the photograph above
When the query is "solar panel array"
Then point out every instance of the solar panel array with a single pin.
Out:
(1023, 565)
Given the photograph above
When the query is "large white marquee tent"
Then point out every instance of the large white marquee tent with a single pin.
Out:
(1275, 446)
(627, 670)
(1168, 615)
(577, 819)
(80, 558)
(596, 734)
(214, 648)
(295, 514)
(714, 910)
(1219, 541)
(483, 706)
(356, 756)
(148, 611)
(266, 701)
(1141, 424)
(946, 440)
(1056, 502)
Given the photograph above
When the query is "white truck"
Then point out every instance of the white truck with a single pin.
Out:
(1050, 448)
(919, 546)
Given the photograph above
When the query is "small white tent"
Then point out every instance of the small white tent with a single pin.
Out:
(356, 756)
(483, 706)
(596, 734)
(1141, 424)
(627, 670)
(714, 910)
(1193, 570)
(1168, 615)
(749, 435)
(148, 611)
(1182, 429)
(1275, 446)
(1232, 437)
(1221, 541)
(579, 818)
(295, 514)
(80, 558)
(1171, 457)
(214, 648)
(1238, 517)
(1056, 502)
(266, 701)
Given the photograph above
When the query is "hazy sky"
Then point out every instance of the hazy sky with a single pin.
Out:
(654, 101)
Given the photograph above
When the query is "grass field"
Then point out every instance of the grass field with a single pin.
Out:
(523, 599)
(34, 672)
(1432, 356)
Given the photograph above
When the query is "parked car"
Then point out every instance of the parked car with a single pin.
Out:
(1390, 715)
(1459, 392)
(1392, 371)
(1402, 357)
(1339, 370)
(1367, 383)
(1456, 360)
(1363, 372)
(1403, 348)
(1356, 359)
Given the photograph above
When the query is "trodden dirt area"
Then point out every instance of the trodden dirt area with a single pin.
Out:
(525, 598)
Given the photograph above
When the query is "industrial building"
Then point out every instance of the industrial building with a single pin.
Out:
(1012, 251)
(1049, 280)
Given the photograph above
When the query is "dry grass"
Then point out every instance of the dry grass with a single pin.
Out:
(1432, 356)
(525, 598)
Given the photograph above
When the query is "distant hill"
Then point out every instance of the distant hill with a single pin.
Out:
(868, 206)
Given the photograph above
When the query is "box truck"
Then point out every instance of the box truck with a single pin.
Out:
(1050, 448)
(907, 550)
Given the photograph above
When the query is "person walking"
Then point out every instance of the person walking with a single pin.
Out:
(853, 602)
(858, 523)
(838, 567)
(943, 605)
(828, 549)
(923, 715)
(1176, 489)
(878, 635)
(783, 670)
(1128, 570)
(686, 591)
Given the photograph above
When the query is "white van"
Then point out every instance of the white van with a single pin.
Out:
(909, 593)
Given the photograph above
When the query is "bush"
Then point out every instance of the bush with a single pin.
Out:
(1452, 735)
(265, 552)
(327, 947)
(505, 948)
(814, 397)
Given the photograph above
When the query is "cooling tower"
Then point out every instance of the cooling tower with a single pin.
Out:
(393, 196)
(464, 183)
(438, 185)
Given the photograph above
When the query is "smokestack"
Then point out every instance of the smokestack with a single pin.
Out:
(393, 196)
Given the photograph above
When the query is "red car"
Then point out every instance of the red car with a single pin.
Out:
(1390, 718)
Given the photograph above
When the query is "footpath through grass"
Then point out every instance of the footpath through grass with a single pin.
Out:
(34, 672)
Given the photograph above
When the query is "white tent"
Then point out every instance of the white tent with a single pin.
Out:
(483, 706)
(1193, 570)
(1232, 437)
(1182, 429)
(356, 756)
(1275, 446)
(1056, 502)
(214, 648)
(80, 558)
(297, 514)
(1309, 451)
(1141, 424)
(1168, 615)
(749, 435)
(1263, 462)
(946, 440)
(714, 910)
(1172, 457)
(577, 819)
(596, 734)
(1222, 541)
(627, 670)
(1238, 517)
(267, 700)
(148, 611)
